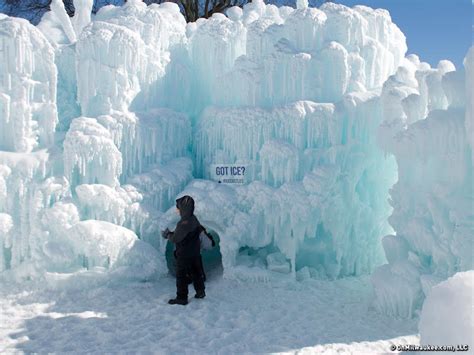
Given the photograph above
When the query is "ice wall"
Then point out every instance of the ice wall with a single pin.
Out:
(52, 183)
(426, 112)
(294, 98)
(28, 119)
(320, 105)
(302, 117)
(326, 181)
(267, 56)
(28, 114)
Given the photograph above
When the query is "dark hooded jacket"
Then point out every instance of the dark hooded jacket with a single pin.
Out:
(186, 234)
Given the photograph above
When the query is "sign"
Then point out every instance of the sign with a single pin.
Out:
(228, 173)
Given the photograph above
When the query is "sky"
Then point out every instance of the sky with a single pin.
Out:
(435, 29)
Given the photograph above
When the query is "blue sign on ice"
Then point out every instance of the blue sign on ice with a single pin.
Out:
(228, 173)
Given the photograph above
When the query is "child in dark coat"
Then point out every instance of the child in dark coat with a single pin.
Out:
(188, 251)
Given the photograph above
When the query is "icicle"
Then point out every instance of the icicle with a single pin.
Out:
(57, 7)
(82, 14)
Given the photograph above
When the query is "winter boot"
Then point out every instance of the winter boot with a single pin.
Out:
(200, 294)
(181, 301)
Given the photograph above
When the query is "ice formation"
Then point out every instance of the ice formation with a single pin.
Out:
(105, 120)
(28, 79)
(427, 117)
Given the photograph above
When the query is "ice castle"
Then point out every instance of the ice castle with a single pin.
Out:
(359, 157)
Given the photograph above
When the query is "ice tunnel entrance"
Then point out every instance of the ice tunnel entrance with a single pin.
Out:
(211, 259)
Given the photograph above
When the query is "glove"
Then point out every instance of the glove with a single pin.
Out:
(165, 233)
(213, 242)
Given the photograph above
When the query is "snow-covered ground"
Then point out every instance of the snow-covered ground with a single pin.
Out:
(236, 317)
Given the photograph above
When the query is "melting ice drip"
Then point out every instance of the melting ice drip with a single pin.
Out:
(105, 120)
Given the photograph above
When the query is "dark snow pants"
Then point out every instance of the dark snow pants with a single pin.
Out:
(192, 267)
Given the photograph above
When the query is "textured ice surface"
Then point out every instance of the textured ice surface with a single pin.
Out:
(90, 155)
(28, 81)
(426, 115)
(351, 149)
(447, 314)
(58, 9)
(105, 245)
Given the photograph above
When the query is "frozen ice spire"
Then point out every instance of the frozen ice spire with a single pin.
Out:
(57, 7)
(82, 15)
(301, 4)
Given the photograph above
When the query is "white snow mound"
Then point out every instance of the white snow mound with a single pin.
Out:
(447, 317)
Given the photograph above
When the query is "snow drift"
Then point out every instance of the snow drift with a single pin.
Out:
(345, 140)
(447, 314)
